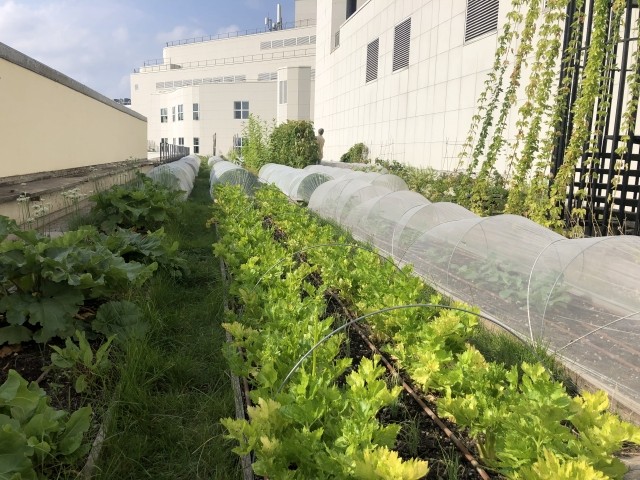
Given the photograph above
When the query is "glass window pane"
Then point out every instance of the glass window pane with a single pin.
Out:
(245, 105)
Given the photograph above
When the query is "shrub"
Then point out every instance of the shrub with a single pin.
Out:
(294, 143)
(256, 143)
(359, 153)
(453, 187)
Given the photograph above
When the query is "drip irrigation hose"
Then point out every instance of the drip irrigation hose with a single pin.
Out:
(367, 315)
(425, 408)
(409, 389)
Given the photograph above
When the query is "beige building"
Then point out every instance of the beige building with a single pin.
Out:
(52, 122)
(403, 76)
(202, 90)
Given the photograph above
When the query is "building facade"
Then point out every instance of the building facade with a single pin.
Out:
(202, 91)
(403, 77)
(52, 122)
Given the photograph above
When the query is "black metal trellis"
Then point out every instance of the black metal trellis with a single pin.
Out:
(610, 209)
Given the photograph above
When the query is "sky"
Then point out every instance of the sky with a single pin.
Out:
(100, 42)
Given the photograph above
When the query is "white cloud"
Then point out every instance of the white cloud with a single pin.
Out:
(91, 42)
(179, 32)
(255, 4)
(228, 29)
(121, 34)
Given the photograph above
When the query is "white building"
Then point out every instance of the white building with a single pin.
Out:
(402, 76)
(203, 89)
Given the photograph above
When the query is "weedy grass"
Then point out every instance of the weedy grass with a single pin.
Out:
(173, 385)
(502, 347)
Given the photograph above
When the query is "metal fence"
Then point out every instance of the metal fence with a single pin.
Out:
(241, 33)
(261, 57)
(170, 152)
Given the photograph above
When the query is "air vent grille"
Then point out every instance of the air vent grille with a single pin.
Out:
(401, 44)
(482, 17)
(372, 60)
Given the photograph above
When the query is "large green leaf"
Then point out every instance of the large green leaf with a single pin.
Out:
(14, 334)
(18, 398)
(53, 311)
(120, 318)
(71, 439)
(14, 455)
(7, 226)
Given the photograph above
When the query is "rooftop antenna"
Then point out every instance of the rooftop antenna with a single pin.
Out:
(278, 17)
(268, 23)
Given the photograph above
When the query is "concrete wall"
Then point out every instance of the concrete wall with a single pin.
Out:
(298, 95)
(216, 113)
(51, 122)
(305, 10)
(419, 115)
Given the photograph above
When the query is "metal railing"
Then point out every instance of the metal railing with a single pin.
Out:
(242, 33)
(155, 61)
(170, 152)
(261, 57)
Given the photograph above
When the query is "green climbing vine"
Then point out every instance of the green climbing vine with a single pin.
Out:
(628, 127)
(535, 189)
(488, 99)
(532, 113)
(589, 91)
(480, 190)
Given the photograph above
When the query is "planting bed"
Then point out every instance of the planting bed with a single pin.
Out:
(305, 424)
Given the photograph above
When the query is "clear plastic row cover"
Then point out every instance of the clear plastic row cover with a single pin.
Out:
(334, 199)
(579, 297)
(585, 303)
(193, 162)
(374, 220)
(179, 175)
(230, 173)
(296, 183)
(214, 159)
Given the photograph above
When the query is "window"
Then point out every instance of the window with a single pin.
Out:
(196, 111)
(181, 141)
(401, 42)
(238, 143)
(164, 140)
(163, 115)
(482, 17)
(372, 60)
(352, 6)
(180, 113)
(282, 92)
(196, 145)
(241, 110)
(173, 116)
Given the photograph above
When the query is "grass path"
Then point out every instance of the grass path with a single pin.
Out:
(173, 387)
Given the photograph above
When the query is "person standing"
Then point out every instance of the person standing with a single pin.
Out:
(320, 140)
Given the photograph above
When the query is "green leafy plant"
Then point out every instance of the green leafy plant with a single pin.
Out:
(514, 413)
(293, 143)
(44, 281)
(84, 364)
(141, 205)
(358, 153)
(120, 318)
(152, 247)
(35, 438)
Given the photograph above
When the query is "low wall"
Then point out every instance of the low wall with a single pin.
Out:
(49, 121)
